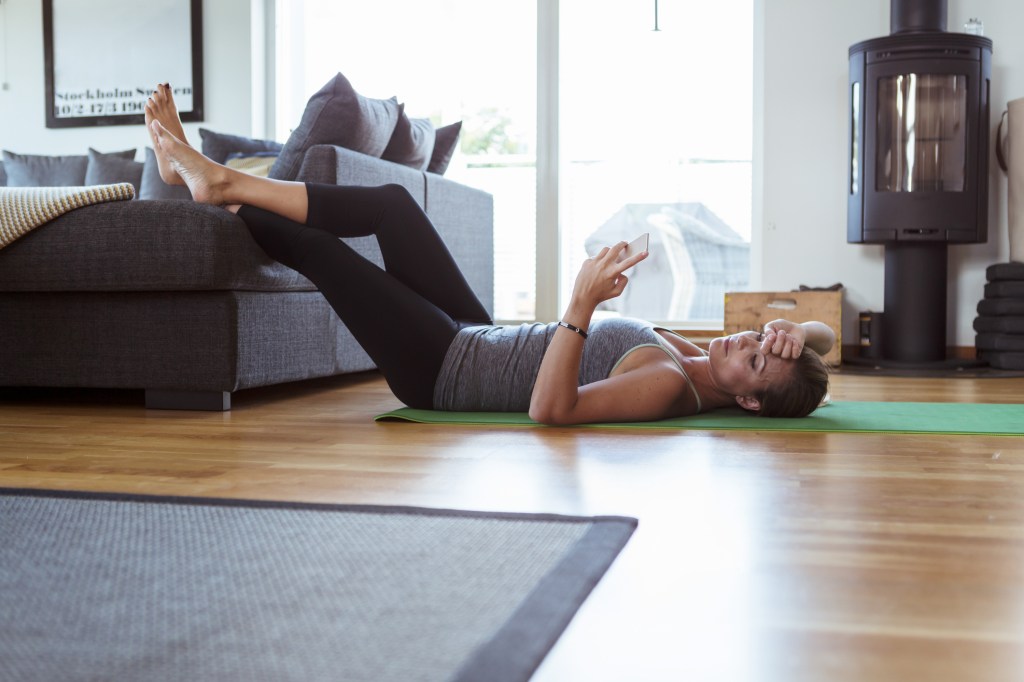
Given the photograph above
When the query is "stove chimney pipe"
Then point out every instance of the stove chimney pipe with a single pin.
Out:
(917, 16)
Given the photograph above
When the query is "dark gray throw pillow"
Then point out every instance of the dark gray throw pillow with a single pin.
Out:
(108, 169)
(338, 115)
(412, 142)
(3, 175)
(446, 141)
(31, 170)
(153, 187)
(219, 146)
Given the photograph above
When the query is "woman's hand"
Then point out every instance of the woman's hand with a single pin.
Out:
(600, 278)
(784, 338)
(788, 339)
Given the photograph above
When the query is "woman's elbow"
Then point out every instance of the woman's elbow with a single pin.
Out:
(540, 415)
(548, 416)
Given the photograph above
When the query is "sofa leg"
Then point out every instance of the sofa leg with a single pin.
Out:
(214, 401)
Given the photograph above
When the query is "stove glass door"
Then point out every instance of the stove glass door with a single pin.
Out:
(922, 133)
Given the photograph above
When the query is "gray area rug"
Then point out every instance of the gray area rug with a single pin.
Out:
(127, 587)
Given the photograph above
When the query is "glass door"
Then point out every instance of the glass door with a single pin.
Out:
(656, 136)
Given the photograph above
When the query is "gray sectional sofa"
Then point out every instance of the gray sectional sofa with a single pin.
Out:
(176, 298)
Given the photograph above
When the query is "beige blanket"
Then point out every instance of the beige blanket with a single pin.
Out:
(22, 209)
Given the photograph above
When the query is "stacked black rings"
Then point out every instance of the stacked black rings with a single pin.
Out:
(1000, 321)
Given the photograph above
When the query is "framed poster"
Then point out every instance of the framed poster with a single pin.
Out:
(103, 58)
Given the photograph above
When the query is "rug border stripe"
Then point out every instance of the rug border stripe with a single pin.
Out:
(308, 506)
(517, 649)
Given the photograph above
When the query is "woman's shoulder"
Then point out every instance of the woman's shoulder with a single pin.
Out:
(680, 342)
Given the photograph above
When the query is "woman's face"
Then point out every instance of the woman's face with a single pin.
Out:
(739, 367)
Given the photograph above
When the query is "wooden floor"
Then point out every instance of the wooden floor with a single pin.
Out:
(759, 556)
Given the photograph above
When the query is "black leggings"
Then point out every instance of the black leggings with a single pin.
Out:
(404, 316)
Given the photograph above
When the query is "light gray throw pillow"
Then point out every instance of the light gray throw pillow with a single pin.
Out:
(108, 169)
(152, 185)
(412, 142)
(3, 175)
(338, 115)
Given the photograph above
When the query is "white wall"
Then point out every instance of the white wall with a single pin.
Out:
(804, 142)
(227, 71)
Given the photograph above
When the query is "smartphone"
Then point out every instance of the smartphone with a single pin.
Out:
(636, 246)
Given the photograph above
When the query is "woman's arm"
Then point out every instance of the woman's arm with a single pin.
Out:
(819, 337)
(648, 392)
(787, 339)
(556, 391)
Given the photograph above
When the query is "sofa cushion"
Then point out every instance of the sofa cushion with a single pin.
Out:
(219, 146)
(152, 185)
(33, 170)
(412, 142)
(338, 115)
(143, 246)
(446, 141)
(109, 169)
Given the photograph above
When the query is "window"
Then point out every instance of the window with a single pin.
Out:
(654, 130)
(656, 136)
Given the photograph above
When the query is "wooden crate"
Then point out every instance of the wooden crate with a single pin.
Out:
(750, 310)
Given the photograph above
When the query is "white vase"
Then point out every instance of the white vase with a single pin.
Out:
(1011, 157)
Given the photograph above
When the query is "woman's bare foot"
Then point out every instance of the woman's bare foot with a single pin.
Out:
(161, 107)
(206, 180)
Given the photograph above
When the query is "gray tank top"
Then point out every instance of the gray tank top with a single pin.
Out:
(493, 368)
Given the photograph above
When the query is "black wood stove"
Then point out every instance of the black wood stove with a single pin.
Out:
(919, 124)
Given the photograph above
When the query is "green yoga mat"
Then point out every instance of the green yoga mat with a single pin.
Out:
(852, 417)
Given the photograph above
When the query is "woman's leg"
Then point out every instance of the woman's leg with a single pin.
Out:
(406, 336)
(413, 251)
(405, 331)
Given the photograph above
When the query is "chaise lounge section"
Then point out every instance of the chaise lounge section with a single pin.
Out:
(176, 298)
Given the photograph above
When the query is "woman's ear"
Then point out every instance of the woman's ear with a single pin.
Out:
(748, 402)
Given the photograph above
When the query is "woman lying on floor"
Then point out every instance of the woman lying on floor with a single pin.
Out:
(437, 346)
